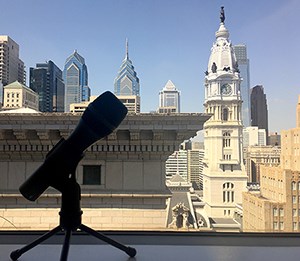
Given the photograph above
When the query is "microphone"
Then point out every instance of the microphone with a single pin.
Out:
(100, 118)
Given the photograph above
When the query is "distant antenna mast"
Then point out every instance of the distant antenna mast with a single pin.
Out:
(127, 56)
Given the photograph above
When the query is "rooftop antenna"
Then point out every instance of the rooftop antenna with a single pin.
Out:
(127, 56)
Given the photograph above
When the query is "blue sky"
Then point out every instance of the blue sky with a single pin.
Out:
(168, 39)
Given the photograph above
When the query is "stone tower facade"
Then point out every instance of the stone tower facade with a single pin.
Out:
(224, 176)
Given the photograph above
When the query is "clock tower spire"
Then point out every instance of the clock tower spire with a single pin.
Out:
(224, 176)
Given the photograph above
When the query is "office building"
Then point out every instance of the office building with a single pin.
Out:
(195, 168)
(169, 99)
(81, 106)
(11, 66)
(46, 80)
(17, 95)
(75, 76)
(127, 84)
(275, 208)
(255, 156)
(259, 108)
(187, 163)
(132, 102)
(240, 51)
(177, 164)
(253, 136)
(224, 175)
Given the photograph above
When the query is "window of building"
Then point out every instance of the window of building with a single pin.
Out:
(226, 139)
(228, 193)
(275, 225)
(226, 157)
(275, 212)
(294, 212)
(281, 212)
(281, 225)
(225, 114)
(294, 185)
(91, 175)
(295, 227)
(294, 199)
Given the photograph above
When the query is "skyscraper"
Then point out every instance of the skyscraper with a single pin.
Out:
(177, 164)
(224, 175)
(259, 108)
(46, 80)
(243, 65)
(11, 66)
(75, 77)
(127, 84)
(169, 99)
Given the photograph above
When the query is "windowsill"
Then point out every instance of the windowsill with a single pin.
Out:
(159, 245)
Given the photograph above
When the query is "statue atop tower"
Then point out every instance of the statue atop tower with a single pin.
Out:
(222, 14)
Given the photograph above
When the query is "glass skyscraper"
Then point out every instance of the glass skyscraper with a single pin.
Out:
(46, 80)
(75, 76)
(127, 83)
(259, 109)
(243, 65)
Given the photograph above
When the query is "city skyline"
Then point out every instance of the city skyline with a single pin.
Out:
(175, 45)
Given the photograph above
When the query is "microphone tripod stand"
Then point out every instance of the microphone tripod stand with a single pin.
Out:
(70, 220)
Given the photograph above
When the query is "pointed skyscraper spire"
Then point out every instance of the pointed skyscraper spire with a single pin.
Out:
(127, 56)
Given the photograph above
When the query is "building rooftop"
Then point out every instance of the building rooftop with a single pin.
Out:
(20, 111)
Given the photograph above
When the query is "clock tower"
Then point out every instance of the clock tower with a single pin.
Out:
(224, 176)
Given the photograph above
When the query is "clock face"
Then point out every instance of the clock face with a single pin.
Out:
(226, 89)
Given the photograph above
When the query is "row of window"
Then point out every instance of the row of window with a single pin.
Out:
(228, 192)
(294, 185)
(276, 212)
(280, 225)
(294, 199)
(13, 95)
(275, 225)
(12, 105)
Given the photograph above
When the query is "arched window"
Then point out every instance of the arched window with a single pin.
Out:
(225, 114)
(228, 192)
(294, 185)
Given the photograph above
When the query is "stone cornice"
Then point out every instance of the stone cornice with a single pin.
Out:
(48, 128)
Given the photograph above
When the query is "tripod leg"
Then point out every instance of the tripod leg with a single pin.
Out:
(65, 249)
(17, 253)
(129, 250)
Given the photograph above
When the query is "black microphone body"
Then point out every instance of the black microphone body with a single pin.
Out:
(99, 119)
